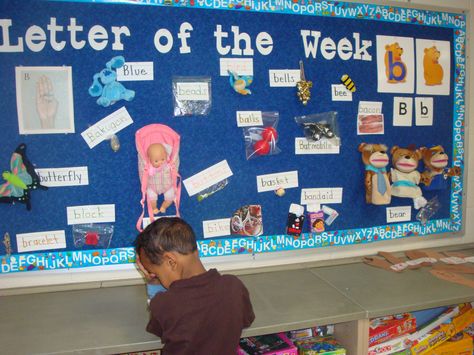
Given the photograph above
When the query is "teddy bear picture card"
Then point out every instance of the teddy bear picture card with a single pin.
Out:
(395, 64)
(433, 67)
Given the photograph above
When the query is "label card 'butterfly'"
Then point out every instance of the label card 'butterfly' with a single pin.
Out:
(20, 180)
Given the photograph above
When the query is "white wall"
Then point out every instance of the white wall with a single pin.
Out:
(92, 277)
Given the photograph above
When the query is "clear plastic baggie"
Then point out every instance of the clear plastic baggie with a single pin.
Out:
(320, 126)
(192, 95)
(92, 235)
(262, 140)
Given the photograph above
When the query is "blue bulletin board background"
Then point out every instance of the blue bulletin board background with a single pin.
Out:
(207, 140)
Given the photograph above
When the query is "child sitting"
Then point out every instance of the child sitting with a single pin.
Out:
(202, 312)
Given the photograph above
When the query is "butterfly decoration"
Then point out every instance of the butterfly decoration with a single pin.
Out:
(20, 180)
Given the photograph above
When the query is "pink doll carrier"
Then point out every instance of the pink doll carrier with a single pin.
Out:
(166, 174)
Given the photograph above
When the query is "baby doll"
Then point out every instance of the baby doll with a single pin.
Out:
(158, 155)
(158, 163)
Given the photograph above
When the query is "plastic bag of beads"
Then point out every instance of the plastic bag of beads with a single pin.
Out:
(320, 126)
(192, 95)
(262, 140)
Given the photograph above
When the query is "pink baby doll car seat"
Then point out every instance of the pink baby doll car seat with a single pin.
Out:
(166, 176)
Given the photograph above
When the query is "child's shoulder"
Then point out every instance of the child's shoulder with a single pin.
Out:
(231, 280)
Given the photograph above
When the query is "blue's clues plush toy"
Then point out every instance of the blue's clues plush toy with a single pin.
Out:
(107, 88)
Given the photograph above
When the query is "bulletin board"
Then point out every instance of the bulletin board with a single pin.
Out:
(50, 50)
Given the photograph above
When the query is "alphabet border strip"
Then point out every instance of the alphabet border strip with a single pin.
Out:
(274, 243)
(457, 188)
(227, 246)
(338, 9)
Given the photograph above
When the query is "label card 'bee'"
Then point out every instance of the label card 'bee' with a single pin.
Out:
(340, 93)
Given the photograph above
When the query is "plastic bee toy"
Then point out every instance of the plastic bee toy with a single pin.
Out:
(348, 83)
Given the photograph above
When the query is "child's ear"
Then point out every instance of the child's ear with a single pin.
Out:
(170, 260)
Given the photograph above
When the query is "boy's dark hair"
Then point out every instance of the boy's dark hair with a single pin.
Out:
(164, 235)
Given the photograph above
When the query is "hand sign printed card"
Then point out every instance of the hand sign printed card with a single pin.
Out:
(44, 100)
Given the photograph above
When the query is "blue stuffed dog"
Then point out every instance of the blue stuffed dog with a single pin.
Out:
(106, 87)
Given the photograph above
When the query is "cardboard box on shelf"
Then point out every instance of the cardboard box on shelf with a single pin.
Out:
(391, 327)
(270, 344)
(300, 334)
(324, 330)
(460, 344)
(451, 322)
(391, 346)
(319, 346)
(432, 339)
(403, 352)
(464, 319)
(445, 317)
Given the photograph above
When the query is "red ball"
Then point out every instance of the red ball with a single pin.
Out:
(269, 134)
(261, 147)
